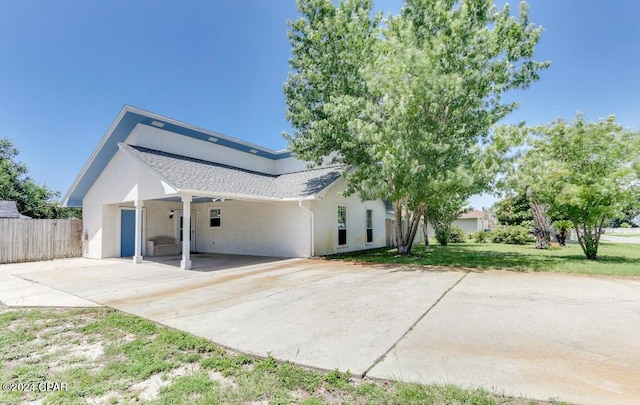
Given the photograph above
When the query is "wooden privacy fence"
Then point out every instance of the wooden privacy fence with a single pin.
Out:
(28, 240)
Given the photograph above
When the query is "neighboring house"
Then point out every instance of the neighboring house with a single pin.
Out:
(155, 178)
(9, 209)
(474, 221)
(469, 222)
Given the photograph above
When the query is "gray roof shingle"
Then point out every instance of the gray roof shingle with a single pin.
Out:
(8, 209)
(209, 177)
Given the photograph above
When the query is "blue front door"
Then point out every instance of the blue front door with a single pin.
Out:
(127, 233)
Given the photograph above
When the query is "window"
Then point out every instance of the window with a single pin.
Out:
(369, 226)
(342, 225)
(215, 217)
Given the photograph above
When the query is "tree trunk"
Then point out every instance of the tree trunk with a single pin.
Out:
(541, 225)
(405, 237)
(589, 238)
(425, 232)
(561, 237)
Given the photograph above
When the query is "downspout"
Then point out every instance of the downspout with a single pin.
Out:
(311, 248)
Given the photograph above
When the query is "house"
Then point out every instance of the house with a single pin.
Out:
(470, 222)
(474, 220)
(9, 209)
(153, 179)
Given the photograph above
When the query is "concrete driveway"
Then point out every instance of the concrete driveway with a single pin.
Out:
(574, 338)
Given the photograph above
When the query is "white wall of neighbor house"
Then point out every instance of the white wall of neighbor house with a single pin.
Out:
(326, 222)
(469, 225)
(254, 228)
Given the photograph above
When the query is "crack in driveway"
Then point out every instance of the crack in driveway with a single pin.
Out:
(421, 317)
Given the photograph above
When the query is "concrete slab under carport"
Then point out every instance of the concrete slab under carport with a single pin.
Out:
(205, 262)
(542, 335)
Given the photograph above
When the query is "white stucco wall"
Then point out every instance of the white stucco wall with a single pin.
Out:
(255, 228)
(122, 181)
(289, 165)
(159, 139)
(326, 222)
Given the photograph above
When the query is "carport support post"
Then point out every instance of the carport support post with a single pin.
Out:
(185, 263)
(137, 258)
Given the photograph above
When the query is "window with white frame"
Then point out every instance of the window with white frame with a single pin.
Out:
(342, 225)
(369, 225)
(215, 217)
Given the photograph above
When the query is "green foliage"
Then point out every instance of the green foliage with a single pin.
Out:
(227, 365)
(514, 210)
(562, 230)
(407, 104)
(630, 212)
(512, 235)
(33, 200)
(122, 322)
(198, 387)
(337, 379)
(587, 172)
(481, 237)
(441, 216)
(456, 235)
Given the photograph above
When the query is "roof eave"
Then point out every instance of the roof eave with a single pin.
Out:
(89, 162)
(247, 197)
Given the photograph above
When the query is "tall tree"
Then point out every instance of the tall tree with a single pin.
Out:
(32, 199)
(586, 172)
(406, 103)
(514, 210)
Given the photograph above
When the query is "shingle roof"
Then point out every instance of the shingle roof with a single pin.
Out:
(473, 214)
(188, 173)
(8, 209)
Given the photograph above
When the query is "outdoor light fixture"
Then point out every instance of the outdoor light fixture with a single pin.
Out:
(171, 213)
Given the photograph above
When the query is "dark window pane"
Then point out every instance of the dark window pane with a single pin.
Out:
(342, 236)
(369, 235)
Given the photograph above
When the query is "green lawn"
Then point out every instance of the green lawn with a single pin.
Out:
(616, 259)
(101, 355)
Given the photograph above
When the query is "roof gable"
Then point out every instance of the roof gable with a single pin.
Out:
(124, 124)
(8, 209)
(210, 178)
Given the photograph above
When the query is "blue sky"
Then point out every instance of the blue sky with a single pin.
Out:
(68, 67)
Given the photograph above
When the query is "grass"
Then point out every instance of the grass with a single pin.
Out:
(106, 356)
(614, 259)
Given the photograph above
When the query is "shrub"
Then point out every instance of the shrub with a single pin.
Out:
(457, 235)
(512, 235)
(562, 230)
(482, 236)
